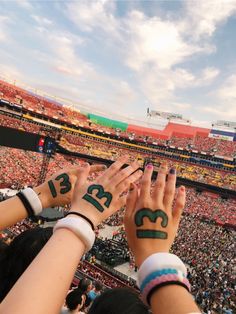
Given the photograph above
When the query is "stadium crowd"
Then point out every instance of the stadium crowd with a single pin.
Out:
(204, 242)
(209, 251)
(53, 109)
(186, 170)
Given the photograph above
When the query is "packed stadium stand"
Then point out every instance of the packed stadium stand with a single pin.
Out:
(199, 155)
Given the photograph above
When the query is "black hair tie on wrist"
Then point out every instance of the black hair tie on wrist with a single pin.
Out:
(82, 216)
(26, 204)
(163, 284)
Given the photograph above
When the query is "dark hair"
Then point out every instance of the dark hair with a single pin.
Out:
(118, 300)
(19, 254)
(73, 299)
(83, 285)
(98, 285)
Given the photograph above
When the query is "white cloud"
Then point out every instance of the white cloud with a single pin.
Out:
(209, 74)
(3, 32)
(159, 85)
(151, 51)
(224, 100)
(24, 4)
(185, 79)
(90, 15)
(41, 20)
(88, 85)
(62, 57)
(227, 92)
(203, 17)
(154, 47)
(10, 73)
(157, 41)
(223, 112)
(182, 106)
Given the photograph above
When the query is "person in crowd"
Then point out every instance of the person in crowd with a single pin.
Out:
(117, 301)
(74, 303)
(151, 225)
(17, 256)
(84, 287)
(96, 291)
(77, 299)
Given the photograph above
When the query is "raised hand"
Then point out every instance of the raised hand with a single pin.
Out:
(99, 200)
(150, 222)
(58, 190)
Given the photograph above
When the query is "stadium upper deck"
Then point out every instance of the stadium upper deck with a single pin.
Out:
(220, 143)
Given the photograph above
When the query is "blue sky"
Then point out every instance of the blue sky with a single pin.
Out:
(119, 57)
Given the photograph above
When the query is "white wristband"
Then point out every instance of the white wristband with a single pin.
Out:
(80, 227)
(33, 199)
(159, 261)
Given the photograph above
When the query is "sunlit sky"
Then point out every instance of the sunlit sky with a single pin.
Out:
(121, 57)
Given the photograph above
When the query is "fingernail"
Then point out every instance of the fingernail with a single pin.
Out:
(182, 188)
(131, 187)
(85, 165)
(149, 166)
(163, 166)
(104, 167)
(172, 171)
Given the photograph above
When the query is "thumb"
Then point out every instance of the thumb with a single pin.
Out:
(131, 200)
(179, 204)
(82, 176)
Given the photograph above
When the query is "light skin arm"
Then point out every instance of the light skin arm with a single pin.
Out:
(43, 286)
(171, 298)
(12, 210)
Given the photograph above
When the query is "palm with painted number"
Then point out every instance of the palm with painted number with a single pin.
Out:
(150, 222)
(58, 190)
(101, 199)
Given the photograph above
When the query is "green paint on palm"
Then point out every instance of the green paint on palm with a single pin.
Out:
(101, 194)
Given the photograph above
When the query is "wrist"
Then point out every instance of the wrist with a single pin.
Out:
(140, 258)
(70, 235)
(45, 201)
(93, 218)
(159, 270)
(80, 227)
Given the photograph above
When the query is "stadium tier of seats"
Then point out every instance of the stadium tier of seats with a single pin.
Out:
(205, 240)
(178, 135)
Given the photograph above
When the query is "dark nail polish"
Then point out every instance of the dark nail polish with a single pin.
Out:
(131, 188)
(172, 170)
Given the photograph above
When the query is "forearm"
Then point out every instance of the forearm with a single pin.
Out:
(173, 299)
(44, 285)
(11, 211)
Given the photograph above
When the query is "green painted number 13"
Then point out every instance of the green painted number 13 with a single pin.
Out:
(152, 216)
(99, 195)
(64, 184)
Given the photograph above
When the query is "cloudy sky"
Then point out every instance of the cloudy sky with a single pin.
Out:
(121, 57)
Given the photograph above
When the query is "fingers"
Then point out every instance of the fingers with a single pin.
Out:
(146, 182)
(159, 187)
(170, 189)
(180, 203)
(114, 168)
(124, 173)
(124, 185)
(96, 168)
(82, 176)
(131, 201)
